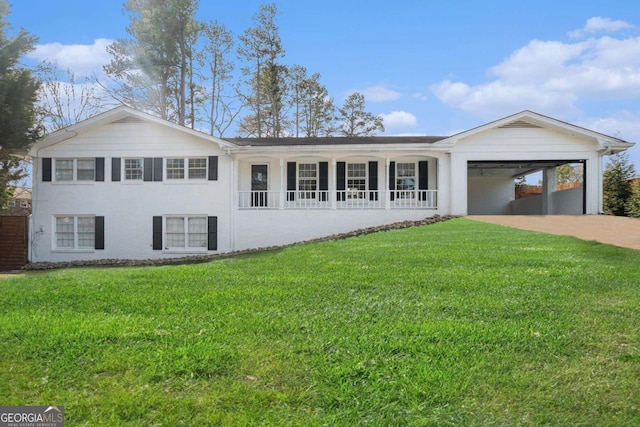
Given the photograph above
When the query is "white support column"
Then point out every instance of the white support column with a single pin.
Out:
(333, 185)
(234, 205)
(282, 185)
(458, 184)
(549, 183)
(385, 184)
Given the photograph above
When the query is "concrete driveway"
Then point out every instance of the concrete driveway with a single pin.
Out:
(613, 230)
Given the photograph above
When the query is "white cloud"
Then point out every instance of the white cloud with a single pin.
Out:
(398, 119)
(598, 24)
(82, 59)
(552, 77)
(380, 93)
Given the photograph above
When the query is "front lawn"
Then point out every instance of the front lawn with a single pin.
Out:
(456, 323)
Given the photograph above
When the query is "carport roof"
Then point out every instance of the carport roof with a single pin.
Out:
(513, 168)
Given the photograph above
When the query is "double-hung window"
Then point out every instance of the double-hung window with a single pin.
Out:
(75, 232)
(186, 232)
(356, 180)
(198, 168)
(192, 168)
(78, 169)
(406, 180)
(133, 169)
(307, 180)
(175, 168)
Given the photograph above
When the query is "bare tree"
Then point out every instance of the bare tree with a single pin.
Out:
(216, 53)
(64, 100)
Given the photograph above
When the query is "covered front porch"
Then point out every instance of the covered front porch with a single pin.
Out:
(347, 182)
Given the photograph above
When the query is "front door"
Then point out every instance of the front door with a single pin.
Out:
(259, 185)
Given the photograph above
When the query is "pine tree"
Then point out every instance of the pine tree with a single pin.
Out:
(354, 121)
(617, 184)
(633, 202)
(18, 94)
(153, 68)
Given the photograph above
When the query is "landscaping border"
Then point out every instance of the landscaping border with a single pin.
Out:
(110, 262)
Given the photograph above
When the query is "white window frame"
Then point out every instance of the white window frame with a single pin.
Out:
(188, 234)
(74, 170)
(354, 192)
(11, 203)
(186, 169)
(406, 193)
(24, 203)
(75, 233)
(125, 169)
(305, 193)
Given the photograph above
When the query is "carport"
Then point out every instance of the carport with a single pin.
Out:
(491, 188)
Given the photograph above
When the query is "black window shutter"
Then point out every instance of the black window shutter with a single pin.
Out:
(392, 179)
(100, 169)
(323, 184)
(157, 233)
(291, 181)
(157, 168)
(213, 168)
(373, 180)
(148, 169)
(423, 179)
(46, 169)
(212, 225)
(99, 241)
(341, 180)
(115, 169)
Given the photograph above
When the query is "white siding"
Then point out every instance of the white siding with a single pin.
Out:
(128, 207)
(490, 195)
(522, 145)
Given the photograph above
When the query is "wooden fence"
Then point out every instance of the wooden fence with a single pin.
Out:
(14, 242)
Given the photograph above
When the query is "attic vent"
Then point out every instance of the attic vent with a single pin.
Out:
(519, 124)
(128, 119)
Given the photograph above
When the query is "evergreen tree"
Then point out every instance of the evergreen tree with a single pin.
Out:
(318, 111)
(153, 68)
(633, 202)
(617, 184)
(261, 48)
(18, 94)
(354, 121)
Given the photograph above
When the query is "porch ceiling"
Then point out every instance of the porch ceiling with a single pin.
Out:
(512, 168)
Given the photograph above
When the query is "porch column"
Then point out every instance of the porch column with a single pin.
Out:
(333, 195)
(549, 183)
(385, 185)
(282, 194)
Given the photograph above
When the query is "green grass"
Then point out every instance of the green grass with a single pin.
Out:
(457, 323)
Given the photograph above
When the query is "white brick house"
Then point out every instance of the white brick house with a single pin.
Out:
(124, 184)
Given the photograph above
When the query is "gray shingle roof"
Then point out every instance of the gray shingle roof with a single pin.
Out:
(337, 140)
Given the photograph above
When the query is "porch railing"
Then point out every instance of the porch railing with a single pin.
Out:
(343, 199)
(259, 200)
(360, 199)
(414, 199)
(307, 199)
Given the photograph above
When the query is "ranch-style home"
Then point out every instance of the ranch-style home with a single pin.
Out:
(127, 185)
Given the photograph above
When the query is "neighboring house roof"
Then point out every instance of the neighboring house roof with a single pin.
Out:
(19, 204)
(22, 193)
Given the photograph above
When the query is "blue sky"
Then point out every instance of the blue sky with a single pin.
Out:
(429, 67)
